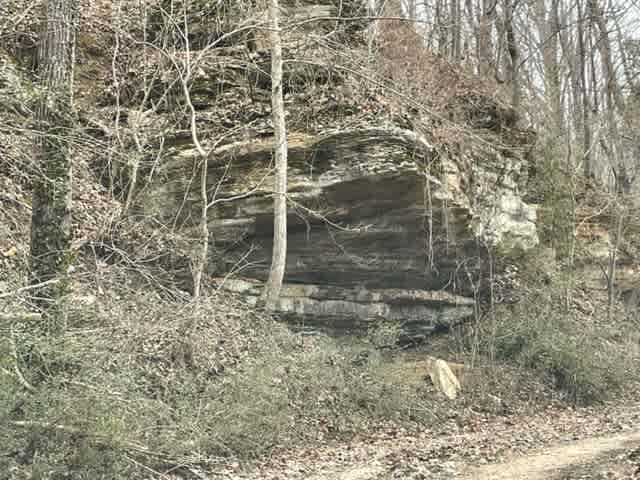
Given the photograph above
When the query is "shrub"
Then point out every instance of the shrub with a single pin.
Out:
(143, 381)
(555, 215)
(573, 357)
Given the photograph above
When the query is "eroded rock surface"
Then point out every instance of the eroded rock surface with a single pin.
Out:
(396, 189)
(380, 226)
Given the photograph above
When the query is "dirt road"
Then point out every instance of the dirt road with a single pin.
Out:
(593, 458)
(551, 463)
(560, 459)
(556, 445)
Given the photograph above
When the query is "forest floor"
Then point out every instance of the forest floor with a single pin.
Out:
(580, 444)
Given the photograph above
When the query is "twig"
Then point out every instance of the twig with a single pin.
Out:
(25, 317)
(17, 21)
(99, 439)
(29, 287)
(325, 219)
(8, 198)
(236, 268)
(145, 467)
(117, 395)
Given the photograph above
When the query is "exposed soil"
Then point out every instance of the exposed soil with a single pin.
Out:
(566, 461)
(586, 444)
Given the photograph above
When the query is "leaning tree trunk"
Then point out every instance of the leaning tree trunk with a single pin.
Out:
(51, 218)
(276, 273)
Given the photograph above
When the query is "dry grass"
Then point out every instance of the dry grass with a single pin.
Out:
(140, 378)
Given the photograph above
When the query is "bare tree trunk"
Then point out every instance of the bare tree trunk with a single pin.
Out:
(276, 273)
(371, 34)
(586, 108)
(441, 28)
(199, 263)
(51, 212)
(582, 95)
(471, 26)
(547, 23)
(485, 44)
(592, 73)
(410, 8)
(514, 53)
(552, 63)
(624, 58)
(616, 229)
(456, 30)
(613, 98)
(614, 95)
(135, 160)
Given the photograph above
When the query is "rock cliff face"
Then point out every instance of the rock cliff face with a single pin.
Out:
(389, 217)
(402, 171)
(380, 225)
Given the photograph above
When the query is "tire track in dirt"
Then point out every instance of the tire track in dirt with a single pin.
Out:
(552, 445)
(542, 465)
(560, 458)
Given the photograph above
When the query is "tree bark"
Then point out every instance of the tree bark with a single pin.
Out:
(485, 43)
(371, 33)
(276, 273)
(199, 262)
(586, 107)
(614, 102)
(547, 20)
(514, 53)
(456, 30)
(54, 119)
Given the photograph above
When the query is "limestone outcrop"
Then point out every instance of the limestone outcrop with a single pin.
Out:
(380, 225)
(397, 185)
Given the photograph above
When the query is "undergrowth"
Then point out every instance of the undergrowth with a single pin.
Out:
(144, 383)
(578, 357)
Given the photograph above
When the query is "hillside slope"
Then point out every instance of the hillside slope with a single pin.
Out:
(412, 214)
